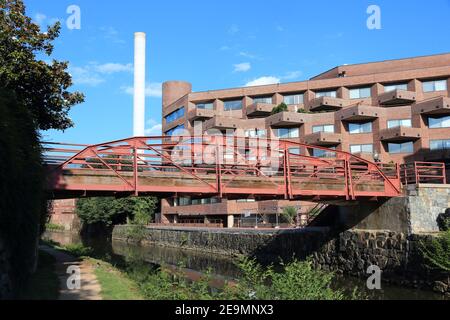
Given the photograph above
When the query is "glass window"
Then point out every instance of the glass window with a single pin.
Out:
(286, 133)
(360, 93)
(439, 144)
(323, 128)
(326, 94)
(253, 133)
(267, 100)
(397, 86)
(406, 147)
(207, 106)
(232, 105)
(399, 123)
(177, 114)
(175, 131)
(361, 148)
(354, 128)
(435, 85)
(319, 153)
(439, 122)
(293, 99)
(295, 151)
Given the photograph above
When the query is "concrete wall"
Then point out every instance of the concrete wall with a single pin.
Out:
(416, 212)
(63, 214)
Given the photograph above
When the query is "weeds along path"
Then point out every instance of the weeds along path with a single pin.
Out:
(89, 289)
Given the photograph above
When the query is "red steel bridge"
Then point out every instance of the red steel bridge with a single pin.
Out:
(209, 166)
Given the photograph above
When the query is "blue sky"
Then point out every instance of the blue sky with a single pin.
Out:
(222, 44)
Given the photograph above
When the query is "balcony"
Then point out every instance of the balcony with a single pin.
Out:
(397, 98)
(287, 119)
(222, 123)
(323, 139)
(359, 113)
(399, 134)
(200, 114)
(436, 106)
(328, 104)
(260, 109)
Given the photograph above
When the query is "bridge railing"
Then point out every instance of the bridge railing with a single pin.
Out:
(255, 166)
(423, 172)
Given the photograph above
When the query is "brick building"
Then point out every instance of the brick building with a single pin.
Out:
(396, 110)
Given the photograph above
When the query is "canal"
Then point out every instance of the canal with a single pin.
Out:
(221, 268)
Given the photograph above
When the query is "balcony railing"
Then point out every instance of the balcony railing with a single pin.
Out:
(423, 172)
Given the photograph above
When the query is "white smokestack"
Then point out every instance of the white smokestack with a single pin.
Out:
(139, 85)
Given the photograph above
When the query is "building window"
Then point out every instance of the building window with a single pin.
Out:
(406, 147)
(435, 85)
(326, 94)
(354, 128)
(287, 133)
(175, 131)
(232, 105)
(361, 148)
(439, 122)
(319, 153)
(293, 99)
(360, 93)
(440, 144)
(205, 106)
(254, 133)
(399, 123)
(267, 100)
(294, 151)
(397, 86)
(323, 128)
(177, 114)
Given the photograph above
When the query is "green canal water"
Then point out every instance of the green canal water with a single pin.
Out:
(222, 268)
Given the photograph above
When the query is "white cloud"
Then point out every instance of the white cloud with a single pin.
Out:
(152, 89)
(233, 29)
(224, 48)
(155, 130)
(94, 73)
(242, 67)
(247, 55)
(111, 34)
(39, 18)
(84, 75)
(263, 81)
(109, 68)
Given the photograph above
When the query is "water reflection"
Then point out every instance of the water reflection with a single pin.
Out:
(195, 264)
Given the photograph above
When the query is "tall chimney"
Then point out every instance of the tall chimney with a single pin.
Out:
(139, 85)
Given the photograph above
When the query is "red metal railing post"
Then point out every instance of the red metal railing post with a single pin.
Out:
(416, 171)
(218, 172)
(135, 171)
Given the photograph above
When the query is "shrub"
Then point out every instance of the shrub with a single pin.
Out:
(78, 250)
(289, 214)
(436, 252)
(54, 227)
(282, 107)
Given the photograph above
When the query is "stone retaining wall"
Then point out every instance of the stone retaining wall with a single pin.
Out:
(350, 252)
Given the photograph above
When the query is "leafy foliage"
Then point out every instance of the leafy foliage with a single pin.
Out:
(289, 214)
(77, 250)
(109, 211)
(39, 86)
(296, 281)
(22, 202)
(436, 253)
(282, 107)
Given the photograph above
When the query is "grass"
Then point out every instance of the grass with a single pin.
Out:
(44, 284)
(54, 227)
(115, 285)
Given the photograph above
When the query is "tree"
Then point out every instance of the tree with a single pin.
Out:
(108, 211)
(40, 86)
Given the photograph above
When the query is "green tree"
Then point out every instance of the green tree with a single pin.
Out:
(282, 107)
(436, 252)
(40, 86)
(108, 211)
